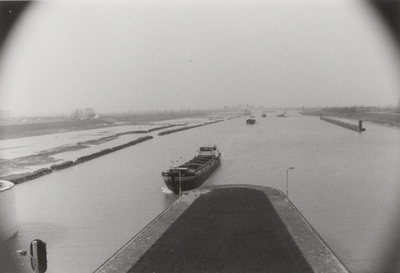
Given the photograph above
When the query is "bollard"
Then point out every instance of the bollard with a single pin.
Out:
(38, 255)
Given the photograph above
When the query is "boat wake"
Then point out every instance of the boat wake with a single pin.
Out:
(164, 189)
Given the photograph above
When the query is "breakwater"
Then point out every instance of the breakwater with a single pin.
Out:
(185, 128)
(20, 178)
(347, 125)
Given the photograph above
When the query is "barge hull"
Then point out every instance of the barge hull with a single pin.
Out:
(191, 182)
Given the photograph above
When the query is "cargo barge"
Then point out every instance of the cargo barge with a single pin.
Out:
(251, 120)
(193, 173)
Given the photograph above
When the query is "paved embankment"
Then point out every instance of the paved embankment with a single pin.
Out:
(233, 228)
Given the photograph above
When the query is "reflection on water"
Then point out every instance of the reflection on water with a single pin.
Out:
(344, 183)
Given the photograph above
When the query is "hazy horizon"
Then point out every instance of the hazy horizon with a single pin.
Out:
(117, 56)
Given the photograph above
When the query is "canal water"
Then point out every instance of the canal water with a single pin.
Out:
(345, 183)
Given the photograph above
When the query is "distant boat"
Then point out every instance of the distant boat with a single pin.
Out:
(251, 120)
(264, 115)
(284, 115)
(193, 173)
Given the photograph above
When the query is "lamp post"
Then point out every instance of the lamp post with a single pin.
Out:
(180, 184)
(180, 180)
(287, 181)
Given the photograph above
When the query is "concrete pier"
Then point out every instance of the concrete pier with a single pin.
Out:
(232, 228)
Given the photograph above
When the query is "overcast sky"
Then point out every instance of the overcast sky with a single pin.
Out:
(171, 55)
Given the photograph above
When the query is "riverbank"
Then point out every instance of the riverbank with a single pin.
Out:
(231, 228)
(27, 127)
(20, 163)
(20, 178)
(388, 119)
